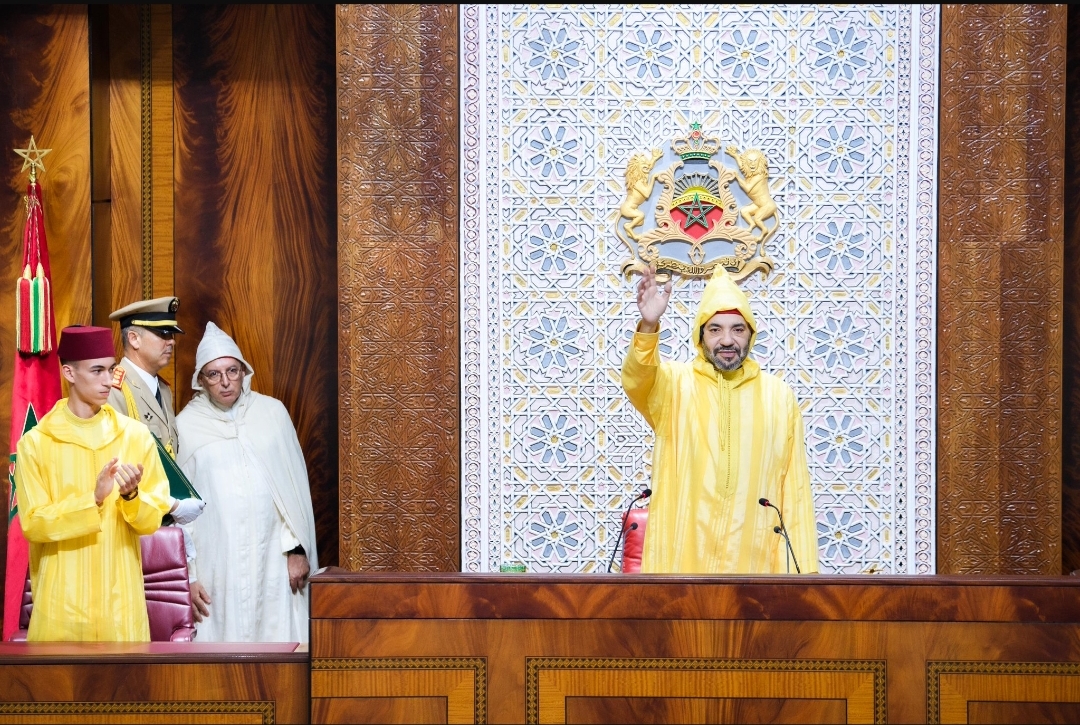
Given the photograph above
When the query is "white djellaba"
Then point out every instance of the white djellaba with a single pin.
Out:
(247, 464)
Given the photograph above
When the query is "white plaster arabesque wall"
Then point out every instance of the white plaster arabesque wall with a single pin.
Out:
(554, 101)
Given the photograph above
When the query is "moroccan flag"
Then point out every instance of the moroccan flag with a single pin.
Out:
(35, 385)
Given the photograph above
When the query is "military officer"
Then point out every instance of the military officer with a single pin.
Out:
(147, 331)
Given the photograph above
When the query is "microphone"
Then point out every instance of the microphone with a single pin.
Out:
(782, 530)
(633, 527)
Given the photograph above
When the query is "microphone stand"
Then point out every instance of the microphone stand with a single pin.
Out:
(782, 530)
(622, 530)
(633, 527)
(787, 553)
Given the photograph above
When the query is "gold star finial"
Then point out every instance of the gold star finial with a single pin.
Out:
(32, 156)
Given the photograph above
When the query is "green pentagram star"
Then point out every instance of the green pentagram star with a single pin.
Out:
(695, 213)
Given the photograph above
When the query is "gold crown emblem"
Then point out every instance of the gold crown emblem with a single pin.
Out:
(695, 145)
(695, 214)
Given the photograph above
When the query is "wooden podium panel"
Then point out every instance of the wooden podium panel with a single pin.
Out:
(159, 682)
(594, 648)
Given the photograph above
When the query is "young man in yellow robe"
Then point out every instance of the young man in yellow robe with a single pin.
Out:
(727, 434)
(89, 483)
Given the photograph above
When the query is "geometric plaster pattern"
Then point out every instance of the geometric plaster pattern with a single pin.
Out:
(555, 100)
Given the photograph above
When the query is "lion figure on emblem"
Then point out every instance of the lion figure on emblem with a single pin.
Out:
(754, 182)
(639, 187)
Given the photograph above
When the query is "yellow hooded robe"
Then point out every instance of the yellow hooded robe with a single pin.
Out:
(85, 563)
(722, 441)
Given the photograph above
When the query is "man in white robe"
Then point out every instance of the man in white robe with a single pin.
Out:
(256, 538)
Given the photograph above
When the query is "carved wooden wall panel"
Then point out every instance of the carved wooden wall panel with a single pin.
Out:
(254, 211)
(1070, 475)
(398, 286)
(1000, 290)
(45, 82)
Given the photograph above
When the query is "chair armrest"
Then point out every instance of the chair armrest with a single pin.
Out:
(183, 634)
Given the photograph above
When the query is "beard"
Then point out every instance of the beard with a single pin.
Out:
(727, 367)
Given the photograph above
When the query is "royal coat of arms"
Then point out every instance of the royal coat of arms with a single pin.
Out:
(686, 219)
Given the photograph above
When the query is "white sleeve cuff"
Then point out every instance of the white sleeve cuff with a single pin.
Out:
(288, 539)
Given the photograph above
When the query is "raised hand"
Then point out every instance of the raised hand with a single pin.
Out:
(652, 300)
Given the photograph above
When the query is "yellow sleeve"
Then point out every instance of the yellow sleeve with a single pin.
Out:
(143, 513)
(643, 376)
(798, 496)
(41, 518)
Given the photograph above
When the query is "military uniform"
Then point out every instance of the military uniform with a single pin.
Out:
(131, 395)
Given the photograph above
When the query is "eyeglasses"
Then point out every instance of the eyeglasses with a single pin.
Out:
(214, 376)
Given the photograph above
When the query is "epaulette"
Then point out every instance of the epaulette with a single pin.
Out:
(118, 377)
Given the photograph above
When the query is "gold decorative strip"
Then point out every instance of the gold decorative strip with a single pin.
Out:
(326, 680)
(550, 680)
(264, 710)
(161, 152)
(950, 686)
(146, 150)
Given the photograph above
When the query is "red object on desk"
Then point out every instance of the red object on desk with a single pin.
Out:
(635, 540)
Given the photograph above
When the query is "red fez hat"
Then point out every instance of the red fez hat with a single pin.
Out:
(85, 343)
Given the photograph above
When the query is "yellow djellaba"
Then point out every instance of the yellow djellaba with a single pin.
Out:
(85, 569)
(723, 440)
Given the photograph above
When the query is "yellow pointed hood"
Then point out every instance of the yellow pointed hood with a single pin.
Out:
(720, 294)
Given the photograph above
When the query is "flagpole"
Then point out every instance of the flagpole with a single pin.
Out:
(35, 385)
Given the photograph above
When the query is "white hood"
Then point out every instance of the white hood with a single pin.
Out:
(216, 343)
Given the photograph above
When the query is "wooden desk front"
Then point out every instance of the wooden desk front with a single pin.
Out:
(159, 682)
(595, 648)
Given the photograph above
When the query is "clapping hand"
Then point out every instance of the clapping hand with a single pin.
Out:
(126, 474)
(652, 300)
(129, 475)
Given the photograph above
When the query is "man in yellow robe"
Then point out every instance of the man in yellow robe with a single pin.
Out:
(727, 434)
(89, 484)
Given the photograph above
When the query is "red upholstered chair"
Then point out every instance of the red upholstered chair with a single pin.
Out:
(168, 594)
(27, 604)
(165, 578)
(24, 612)
(635, 540)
